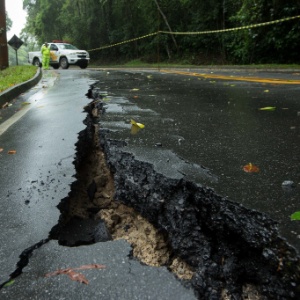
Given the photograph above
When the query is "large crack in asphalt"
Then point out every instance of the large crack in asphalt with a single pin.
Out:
(226, 246)
(90, 214)
(220, 248)
(224, 250)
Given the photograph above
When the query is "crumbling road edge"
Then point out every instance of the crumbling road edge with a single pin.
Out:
(228, 245)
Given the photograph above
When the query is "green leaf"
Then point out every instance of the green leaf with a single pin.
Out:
(268, 108)
(295, 216)
(9, 283)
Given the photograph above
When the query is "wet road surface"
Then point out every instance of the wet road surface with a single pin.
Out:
(196, 127)
(38, 177)
(193, 121)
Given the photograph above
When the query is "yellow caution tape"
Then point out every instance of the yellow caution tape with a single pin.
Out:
(124, 42)
(198, 32)
(233, 29)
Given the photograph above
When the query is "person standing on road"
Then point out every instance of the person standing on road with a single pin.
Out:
(45, 56)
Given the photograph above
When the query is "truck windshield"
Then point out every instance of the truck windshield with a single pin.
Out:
(67, 46)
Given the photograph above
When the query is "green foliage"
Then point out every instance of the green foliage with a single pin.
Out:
(15, 75)
(268, 44)
(8, 22)
(90, 24)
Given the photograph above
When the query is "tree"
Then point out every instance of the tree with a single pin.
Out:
(166, 22)
(91, 24)
(3, 38)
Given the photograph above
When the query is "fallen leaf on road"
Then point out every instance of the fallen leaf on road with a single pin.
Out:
(9, 283)
(134, 129)
(26, 103)
(266, 91)
(295, 216)
(12, 152)
(1, 149)
(140, 125)
(135, 90)
(268, 108)
(250, 168)
(92, 266)
(76, 276)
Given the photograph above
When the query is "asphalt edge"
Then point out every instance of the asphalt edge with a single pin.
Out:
(17, 90)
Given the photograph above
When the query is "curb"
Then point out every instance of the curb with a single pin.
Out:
(17, 90)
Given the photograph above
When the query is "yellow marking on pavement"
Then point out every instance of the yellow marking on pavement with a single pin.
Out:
(238, 78)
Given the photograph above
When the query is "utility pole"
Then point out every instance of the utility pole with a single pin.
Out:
(3, 38)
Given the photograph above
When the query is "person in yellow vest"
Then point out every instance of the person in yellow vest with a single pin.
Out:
(45, 56)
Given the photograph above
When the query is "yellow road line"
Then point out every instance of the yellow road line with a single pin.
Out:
(238, 78)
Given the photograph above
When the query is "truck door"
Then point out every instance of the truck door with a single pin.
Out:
(54, 53)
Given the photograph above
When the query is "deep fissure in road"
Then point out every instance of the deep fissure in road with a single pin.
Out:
(218, 246)
(89, 214)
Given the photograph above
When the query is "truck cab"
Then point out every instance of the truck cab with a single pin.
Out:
(63, 54)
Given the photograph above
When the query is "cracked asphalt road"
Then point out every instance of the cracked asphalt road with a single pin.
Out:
(214, 121)
(34, 181)
(191, 121)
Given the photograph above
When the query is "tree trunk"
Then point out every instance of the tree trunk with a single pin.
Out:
(167, 23)
(3, 38)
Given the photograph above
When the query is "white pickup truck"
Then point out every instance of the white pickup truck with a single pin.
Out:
(61, 55)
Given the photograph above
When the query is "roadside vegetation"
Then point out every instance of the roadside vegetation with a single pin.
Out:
(146, 30)
(16, 75)
(138, 63)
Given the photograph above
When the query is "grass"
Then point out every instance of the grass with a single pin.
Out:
(15, 75)
(137, 63)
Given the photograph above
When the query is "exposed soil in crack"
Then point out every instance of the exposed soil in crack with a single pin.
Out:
(91, 201)
(149, 245)
(222, 249)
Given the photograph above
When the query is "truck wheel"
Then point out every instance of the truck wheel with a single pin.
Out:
(64, 63)
(36, 62)
(83, 66)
